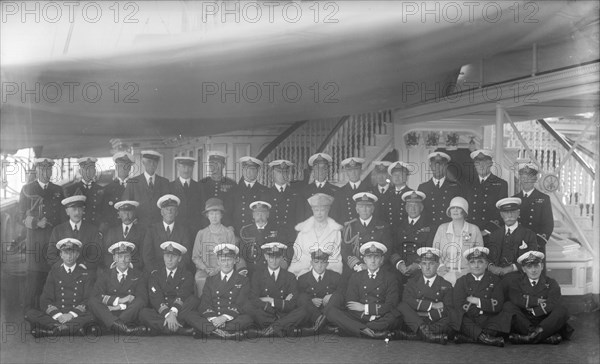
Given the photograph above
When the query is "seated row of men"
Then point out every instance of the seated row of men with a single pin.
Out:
(523, 306)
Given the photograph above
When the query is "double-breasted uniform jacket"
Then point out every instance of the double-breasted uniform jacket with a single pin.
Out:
(35, 203)
(536, 213)
(115, 234)
(191, 206)
(90, 254)
(287, 207)
(420, 297)
(241, 197)
(137, 189)
(263, 285)
(437, 201)
(311, 189)
(309, 287)
(381, 293)
(165, 293)
(112, 194)
(64, 292)
(489, 291)
(355, 234)
(504, 250)
(408, 239)
(224, 298)
(152, 254)
(482, 198)
(252, 238)
(343, 208)
(390, 207)
(93, 202)
(108, 288)
(536, 301)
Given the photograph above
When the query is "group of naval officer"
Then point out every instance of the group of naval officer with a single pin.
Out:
(120, 256)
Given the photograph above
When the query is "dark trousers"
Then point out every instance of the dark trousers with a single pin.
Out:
(199, 322)
(39, 319)
(351, 322)
(151, 318)
(523, 322)
(107, 317)
(413, 320)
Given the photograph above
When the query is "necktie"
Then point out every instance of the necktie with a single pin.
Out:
(224, 279)
(281, 189)
(428, 283)
(121, 277)
(525, 195)
(412, 222)
(168, 231)
(151, 183)
(75, 230)
(126, 231)
(273, 276)
(170, 277)
(364, 224)
(69, 271)
(45, 187)
(371, 276)
(381, 190)
(353, 187)
(533, 283)
(185, 185)
(507, 233)
(320, 278)
(437, 184)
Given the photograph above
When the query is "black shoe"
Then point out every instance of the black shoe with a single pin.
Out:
(402, 335)
(430, 337)
(320, 322)
(268, 332)
(140, 330)
(223, 334)
(490, 340)
(374, 334)
(520, 339)
(252, 333)
(120, 327)
(463, 339)
(39, 332)
(553, 340)
(330, 329)
(304, 331)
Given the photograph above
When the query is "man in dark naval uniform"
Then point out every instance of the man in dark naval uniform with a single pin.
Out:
(344, 208)
(147, 188)
(439, 190)
(171, 294)
(129, 231)
(320, 164)
(63, 304)
(245, 192)
(361, 230)
(114, 190)
(509, 243)
(218, 185)
(382, 188)
(40, 210)
(410, 235)
(536, 208)
(371, 297)
(478, 300)
(534, 300)
(90, 189)
(485, 190)
(189, 193)
(287, 204)
(398, 172)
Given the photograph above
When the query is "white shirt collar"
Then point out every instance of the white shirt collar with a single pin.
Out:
(122, 181)
(483, 179)
(169, 271)
(42, 185)
(355, 185)
(316, 275)
(260, 226)
(228, 275)
(249, 184)
(184, 180)
(276, 271)
(531, 281)
(373, 274)
(512, 227)
(169, 225)
(431, 280)
(385, 188)
(477, 278)
(148, 176)
(440, 181)
(75, 224)
(72, 268)
(320, 184)
(415, 219)
(122, 273)
(278, 187)
(528, 193)
(399, 188)
(125, 225)
(367, 221)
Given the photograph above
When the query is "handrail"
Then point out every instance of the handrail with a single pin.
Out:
(333, 131)
(269, 148)
(582, 148)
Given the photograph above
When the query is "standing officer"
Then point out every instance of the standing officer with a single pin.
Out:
(371, 296)
(169, 229)
(40, 210)
(217, 185)
(171, 294)
(427, 301)
(147, 188)
(319, 163)
(128, 230)
(120, 293)
(411, 235)
(535, 205)
(439, 190)
(363, 229)
(383, 190)
(114, 190)
(189, 193)
(76, 228)
(486, 189)
(287, 205)
(245, 192)
(63, 302)
(534, 300)
(398, 172)
(344, 208)
(509, 243)
(90, 189)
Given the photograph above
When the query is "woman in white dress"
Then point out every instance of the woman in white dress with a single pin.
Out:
(317, 230)
(455, 237)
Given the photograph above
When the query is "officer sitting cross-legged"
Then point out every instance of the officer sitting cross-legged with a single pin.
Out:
(63, 304)
(171, 294)
(224, 295)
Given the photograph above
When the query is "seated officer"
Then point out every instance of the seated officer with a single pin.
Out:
(370, 297)
(64, 298)
(316, 287)
(223, 296)
(120, 293)
(171, 294)
(128, 230)
(273, 292)
(506, 244)
(478, 300)
(534, 300)
(427, 301)
(411, 234)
